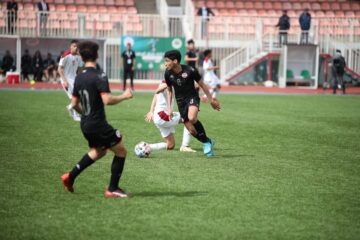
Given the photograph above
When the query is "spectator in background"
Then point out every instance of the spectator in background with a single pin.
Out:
(37, 66)
(43, 9)
(49, 67)
(26, 65)
(338, 70)
(190, 56)
(305, 24)
(12, 9)
(7, 62)
(129, 65)
(204, 12)
(284, 26)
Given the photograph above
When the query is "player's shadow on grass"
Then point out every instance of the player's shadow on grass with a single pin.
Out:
(169, 194)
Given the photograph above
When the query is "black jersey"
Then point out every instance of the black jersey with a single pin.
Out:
(128, 59)
(191, 54)
(88, 87)
(183, 82)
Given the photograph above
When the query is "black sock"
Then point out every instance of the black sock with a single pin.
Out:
(201, 134)
(84, 163)
(117, 167)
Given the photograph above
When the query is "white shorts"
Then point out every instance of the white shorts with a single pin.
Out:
(70, 89)
(166, 127)
(211, 79)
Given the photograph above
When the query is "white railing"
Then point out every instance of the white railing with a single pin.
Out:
(163, 10)
(239, 60)
(189, 19)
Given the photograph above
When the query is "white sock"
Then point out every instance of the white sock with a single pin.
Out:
(186, 138)
(158, 146)
(214, 93)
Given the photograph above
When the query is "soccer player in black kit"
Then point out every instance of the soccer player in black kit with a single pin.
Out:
(91, 92)
(181, 78)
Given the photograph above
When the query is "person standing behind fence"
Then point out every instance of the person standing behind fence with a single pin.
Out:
(205, 13)
(284, 26)
(38, 66)
(26, 65)
(338, 70)
(305, 24)
(43, 9)
(7, 62)
(190, 57)
(12, 8)
(129, 65)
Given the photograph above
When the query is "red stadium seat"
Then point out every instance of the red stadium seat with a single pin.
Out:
(325, 6)
(268, 5)
(319, 14)
(69, 1)
(59, 1)
(335, 6)
(100, 2)
(119, 2)
(92, 9)
(315, 6)
(350, 14)
(101, 9)
(339, 14)
(112, 9)
(259, 5)
(109, 2)
(122, 10)
(131, 10)
(129, 3)
(345, 6)
(79, 2)
(297, 6)
(239, 5)
(82, 8)
(60, 7)
(229, 5)
(71, 8)
(329, 14)
(220, 4)
(210, 4)
(355, 6)
(29, 7)
(277, 6)
(249, 5)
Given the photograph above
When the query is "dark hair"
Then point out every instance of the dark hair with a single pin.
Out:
(88, 51)
(173, 54)
(74, 41)
(190, 41)
(207, 52)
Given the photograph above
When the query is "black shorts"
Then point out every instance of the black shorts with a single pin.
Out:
(104, 139)
(183, 106)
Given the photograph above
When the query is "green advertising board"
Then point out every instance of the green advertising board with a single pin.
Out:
(150, 51)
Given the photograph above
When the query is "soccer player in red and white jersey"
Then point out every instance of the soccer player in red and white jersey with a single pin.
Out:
(69, 63)
(164, 123)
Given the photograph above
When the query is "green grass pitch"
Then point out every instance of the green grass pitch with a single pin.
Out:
(286, 167)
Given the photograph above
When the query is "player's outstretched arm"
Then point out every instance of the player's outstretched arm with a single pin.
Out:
(149, 115)
(109, 99)
(214, 103)
(161, 88)
(62, 76)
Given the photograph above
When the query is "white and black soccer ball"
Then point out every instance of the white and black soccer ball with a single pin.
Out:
(142, 150)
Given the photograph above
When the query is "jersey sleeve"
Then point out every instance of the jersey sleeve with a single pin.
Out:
(62, 61)
(102, 84)
(167, 79)
(196, 75)
(133, 55)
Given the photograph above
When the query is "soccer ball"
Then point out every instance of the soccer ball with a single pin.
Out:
(142, 149)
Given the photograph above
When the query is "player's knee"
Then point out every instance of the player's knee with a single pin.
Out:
(170, 146)
(192, 120)
(121, 152)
